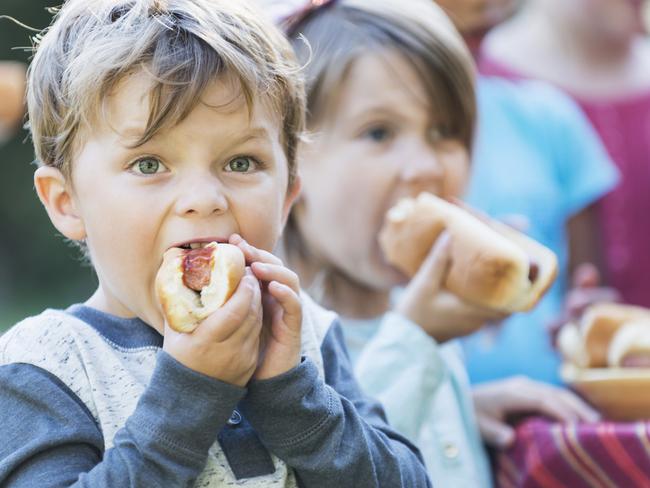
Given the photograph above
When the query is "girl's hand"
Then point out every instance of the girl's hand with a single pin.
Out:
(496, 400)
(281, 335)
(441, 314)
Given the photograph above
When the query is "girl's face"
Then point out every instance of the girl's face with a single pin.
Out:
(617, 20)
(472, 16)
(379, 141)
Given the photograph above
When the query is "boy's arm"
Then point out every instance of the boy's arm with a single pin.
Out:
(327, 430)
(49, 438)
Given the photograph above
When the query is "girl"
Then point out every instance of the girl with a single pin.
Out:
(391, 114)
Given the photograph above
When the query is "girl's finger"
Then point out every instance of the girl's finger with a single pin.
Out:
(430, 276)
(495, 432)
(581, 408)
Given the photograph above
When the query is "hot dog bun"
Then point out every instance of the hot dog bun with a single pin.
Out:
(630, 346)
(600, 323)
(185, 308)
(492, 265)
(588, 343)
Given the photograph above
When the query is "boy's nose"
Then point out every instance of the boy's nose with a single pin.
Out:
(202, 198)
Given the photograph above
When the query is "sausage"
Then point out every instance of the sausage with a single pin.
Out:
(636, 360)
(197, 267)
(533, 271)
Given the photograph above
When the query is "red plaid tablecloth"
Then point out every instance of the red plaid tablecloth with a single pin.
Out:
(552, 455)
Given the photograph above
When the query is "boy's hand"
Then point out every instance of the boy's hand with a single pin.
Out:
(281, 336)
(496, 400)
(441, 314)
(226, 344)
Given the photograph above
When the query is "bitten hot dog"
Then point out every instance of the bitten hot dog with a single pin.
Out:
(492, 265)
(192, 284)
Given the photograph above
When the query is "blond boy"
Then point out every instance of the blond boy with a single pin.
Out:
(163, 124)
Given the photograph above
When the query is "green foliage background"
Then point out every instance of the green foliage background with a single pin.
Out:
(37, 268)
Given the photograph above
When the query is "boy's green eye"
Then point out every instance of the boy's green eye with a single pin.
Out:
(240, 165)
(148, 166)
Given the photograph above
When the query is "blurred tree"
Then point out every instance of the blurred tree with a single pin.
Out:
(37, 268)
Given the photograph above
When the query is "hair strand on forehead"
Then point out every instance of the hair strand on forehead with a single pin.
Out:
(182, 45)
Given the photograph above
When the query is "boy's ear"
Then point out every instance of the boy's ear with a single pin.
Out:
(56, 197)
(293, 192)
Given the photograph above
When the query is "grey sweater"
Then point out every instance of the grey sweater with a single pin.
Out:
(89, 399)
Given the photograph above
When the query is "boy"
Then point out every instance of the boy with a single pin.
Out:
(163, 124)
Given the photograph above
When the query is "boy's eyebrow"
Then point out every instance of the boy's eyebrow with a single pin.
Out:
(136, 132)
(252, 133)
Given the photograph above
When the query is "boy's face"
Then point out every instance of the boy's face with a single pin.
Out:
(379, 143)
(216, 173)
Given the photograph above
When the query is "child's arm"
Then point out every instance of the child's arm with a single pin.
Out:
(327, 430)
(49, 438)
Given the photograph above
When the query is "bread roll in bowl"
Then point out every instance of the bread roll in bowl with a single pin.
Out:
(492, 265)
(192, 284)
(630, 346)
(600, 323)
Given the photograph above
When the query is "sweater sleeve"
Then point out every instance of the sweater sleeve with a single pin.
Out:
(49, 438)
(327, 430)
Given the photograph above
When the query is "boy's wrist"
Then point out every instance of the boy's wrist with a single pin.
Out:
(185, 408)
(286, 408)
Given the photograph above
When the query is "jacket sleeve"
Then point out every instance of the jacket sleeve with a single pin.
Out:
(327, 430)
(403, 368)
(49, 438)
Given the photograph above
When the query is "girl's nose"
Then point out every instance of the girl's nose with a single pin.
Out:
(423, 168)
(202, 196)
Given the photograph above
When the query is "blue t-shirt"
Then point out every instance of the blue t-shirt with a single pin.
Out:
(537, 156)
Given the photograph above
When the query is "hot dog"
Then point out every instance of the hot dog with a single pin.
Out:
(192, 284)
(492, 265)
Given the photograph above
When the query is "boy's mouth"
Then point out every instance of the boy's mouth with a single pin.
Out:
(194, 245)
(198, 243)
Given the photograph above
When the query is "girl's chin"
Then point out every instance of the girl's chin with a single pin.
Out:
(393, 277)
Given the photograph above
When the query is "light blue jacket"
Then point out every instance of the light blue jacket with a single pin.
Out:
(426, 394)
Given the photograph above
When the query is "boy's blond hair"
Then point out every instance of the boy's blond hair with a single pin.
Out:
(183, 44)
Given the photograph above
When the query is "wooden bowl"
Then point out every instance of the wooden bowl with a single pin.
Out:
(617, 393)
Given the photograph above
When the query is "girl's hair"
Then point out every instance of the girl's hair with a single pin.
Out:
(330, 38)
(183, 44)
(341, 31)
